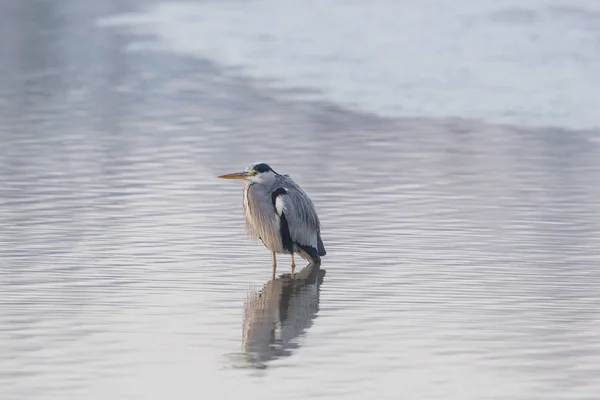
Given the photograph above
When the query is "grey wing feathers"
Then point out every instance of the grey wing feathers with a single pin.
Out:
(301, 215)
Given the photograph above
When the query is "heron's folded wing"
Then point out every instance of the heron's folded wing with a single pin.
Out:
(300, 214)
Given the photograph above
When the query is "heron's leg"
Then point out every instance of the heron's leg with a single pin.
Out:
(293, 265)
(274, 264)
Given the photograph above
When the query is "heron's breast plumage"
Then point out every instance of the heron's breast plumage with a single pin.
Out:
(261, 218)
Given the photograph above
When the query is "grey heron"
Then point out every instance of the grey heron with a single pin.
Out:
(279, 213)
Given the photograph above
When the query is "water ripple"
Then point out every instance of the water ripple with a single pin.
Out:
(462, 257)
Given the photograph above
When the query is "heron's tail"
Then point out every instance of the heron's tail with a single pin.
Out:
(320, 246)
(309, 253)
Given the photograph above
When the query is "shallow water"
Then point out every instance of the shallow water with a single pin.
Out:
(462, 256)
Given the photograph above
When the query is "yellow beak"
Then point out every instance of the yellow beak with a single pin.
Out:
(241, 176)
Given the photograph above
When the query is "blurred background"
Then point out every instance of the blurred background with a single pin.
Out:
(452, 150)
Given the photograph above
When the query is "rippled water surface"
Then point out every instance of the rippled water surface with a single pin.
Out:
(462, 256)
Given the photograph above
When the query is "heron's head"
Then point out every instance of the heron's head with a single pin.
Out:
(258, 172)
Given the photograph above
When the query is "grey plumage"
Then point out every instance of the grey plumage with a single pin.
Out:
(278, 212)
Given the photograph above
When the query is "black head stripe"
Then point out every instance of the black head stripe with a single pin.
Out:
(262, 168)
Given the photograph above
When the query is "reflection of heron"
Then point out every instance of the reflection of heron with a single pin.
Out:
(281, 311)
(280, 214)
